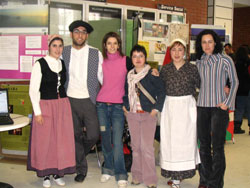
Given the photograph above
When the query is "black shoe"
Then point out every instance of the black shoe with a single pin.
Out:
(239, 131)
(80, 177)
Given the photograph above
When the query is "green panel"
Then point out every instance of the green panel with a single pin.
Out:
(129, 36)
(228, 136)
(101, 27)
(20, 103)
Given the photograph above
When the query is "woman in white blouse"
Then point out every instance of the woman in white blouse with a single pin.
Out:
(51, 150)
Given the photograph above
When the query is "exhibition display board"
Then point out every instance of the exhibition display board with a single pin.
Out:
(19, 52)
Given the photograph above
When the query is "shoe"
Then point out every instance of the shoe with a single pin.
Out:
(135, 182)
(46, 182)
(105, 178)
(239, 131)
(80, 177)
(175, 185)
(59, 180)
(170, 182)
(122, 183)
(151, 186)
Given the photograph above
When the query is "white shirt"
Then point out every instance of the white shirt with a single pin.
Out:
(78, 72)
(55, 65)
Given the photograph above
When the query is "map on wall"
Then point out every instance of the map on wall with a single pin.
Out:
(179, 31)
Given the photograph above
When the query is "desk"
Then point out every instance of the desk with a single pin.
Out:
(19, 122)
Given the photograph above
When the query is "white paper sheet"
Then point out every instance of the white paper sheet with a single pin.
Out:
(9, 49)
(25, 63)
(33, 52)
(33, 42)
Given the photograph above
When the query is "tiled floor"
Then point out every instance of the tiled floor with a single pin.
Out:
(237, 173)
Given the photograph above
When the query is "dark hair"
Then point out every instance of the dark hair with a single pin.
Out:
(198, 48)
(56, 38)
(247, 47)
(138, 48)
(241, 54)
(228, 44)
(104, 41)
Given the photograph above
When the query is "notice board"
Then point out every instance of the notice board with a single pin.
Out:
(19, 52)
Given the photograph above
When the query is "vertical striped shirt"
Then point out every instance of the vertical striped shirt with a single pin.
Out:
(214, 71)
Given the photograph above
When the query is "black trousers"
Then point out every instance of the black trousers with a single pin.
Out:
(84, 115)
(211, 125)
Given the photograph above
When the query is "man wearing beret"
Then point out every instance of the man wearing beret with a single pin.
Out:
(84, 72)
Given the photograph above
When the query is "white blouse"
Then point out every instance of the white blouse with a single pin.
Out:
(55, 65)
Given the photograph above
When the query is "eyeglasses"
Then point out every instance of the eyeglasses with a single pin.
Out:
(76, 31)
(137, 56)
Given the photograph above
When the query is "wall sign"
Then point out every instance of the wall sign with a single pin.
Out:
(170, 8)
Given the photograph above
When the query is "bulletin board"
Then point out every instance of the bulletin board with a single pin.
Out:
(19, 52)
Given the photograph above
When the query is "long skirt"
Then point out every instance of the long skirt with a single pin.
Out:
(52, 146)
(179, 151)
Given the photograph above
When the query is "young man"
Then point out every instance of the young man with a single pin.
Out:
(84, 72)
(229, 51)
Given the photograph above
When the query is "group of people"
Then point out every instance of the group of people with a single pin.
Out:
(242, 63)
(78, 92)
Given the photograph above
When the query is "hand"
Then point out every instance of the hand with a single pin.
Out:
(39, 119)
(153, 113)
(226, 90)
(222, 106)
(124, 110)
(155, 72)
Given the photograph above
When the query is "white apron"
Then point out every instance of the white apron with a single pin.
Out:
(179, 151)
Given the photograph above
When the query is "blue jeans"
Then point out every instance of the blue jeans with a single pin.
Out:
(111, 120)
(242, 107)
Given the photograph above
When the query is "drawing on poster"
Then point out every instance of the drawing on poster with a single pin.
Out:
(179, 31)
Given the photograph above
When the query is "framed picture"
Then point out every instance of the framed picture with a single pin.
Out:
(155, 31)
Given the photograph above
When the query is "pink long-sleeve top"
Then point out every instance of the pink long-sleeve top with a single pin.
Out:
(114, 75)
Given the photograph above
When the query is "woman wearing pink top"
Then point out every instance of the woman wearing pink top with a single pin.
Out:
(109, 108)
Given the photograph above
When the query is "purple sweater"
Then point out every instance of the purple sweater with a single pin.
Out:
(114, 75)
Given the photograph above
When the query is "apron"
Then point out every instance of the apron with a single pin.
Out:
(179, 151)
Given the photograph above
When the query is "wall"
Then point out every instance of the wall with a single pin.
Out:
(196, 10)
(241, 29)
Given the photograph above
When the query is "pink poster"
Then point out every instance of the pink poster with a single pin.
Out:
(19, 52)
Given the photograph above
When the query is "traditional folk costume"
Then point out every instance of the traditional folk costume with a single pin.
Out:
(179, 151)
(52, 147)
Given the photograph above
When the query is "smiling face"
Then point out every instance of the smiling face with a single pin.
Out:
(79, 37)
(112, 45)
(208, 44)
(177, 53)
(138, 59)
(56, 48)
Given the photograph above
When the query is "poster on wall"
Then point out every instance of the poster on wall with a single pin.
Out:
(18, 53)
(179, 31)
(154, 31)
(24, 19)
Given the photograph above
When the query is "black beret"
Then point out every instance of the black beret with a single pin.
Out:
(78, 23)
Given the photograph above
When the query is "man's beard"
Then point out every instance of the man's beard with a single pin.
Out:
(79, 45)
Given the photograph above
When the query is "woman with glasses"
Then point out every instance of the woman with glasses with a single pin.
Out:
(144, 97)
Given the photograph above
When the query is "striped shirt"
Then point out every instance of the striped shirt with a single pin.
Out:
(214, 71)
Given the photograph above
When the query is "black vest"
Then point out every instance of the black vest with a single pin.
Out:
(48, 87)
